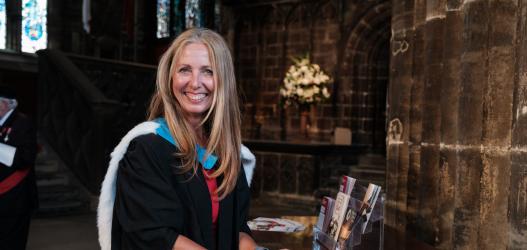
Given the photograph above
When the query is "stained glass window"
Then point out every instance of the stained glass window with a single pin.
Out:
(193, 16)
(34, 31)
(2, 24)
(163, 18)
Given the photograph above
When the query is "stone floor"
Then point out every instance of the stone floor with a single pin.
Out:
(75, 232)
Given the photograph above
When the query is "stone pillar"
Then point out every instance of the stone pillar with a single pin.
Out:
(14, 25)
(517, 211)
(457, 102)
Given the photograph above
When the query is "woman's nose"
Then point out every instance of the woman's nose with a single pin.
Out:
(195, 81)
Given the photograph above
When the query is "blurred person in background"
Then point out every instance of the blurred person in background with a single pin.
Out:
(18, 190)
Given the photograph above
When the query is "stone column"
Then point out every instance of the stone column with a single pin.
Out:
(517, 212)
(456, 174)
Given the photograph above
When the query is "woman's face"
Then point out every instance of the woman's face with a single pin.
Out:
(193, 81)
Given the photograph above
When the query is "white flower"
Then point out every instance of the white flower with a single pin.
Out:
(283, 92)
(311, 78)
(317, 80)
(304, 82)
(325, 92)
(299, 91)
(308, 93)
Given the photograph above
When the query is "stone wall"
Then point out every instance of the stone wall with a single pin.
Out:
(283, 173)
(456, 139)
(348, 40)
(305, 175)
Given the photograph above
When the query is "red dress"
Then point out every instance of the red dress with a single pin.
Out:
(212, 185)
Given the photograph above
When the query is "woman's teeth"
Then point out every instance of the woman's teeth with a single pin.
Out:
(195, 97)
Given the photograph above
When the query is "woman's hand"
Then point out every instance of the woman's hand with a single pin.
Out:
(184, 243)
(246, 242)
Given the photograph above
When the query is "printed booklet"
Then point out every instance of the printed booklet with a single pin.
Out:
(341, 204)
(358, 213)
(350, 212)
(327, 208)
(346, 185)
(326, 211)
(275, 225)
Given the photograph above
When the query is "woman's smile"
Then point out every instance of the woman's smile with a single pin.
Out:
(195, 97)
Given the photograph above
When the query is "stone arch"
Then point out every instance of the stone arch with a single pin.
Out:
(364, 77)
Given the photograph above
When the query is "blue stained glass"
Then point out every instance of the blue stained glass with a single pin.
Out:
(163, 18)
(34, 30)
(2, 24)
(193, 14)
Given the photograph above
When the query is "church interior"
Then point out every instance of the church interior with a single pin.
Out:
(425, 98)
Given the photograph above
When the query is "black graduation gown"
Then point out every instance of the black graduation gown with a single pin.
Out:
(23, 198)
(154, 204)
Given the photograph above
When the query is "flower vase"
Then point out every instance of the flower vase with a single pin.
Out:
(313, 124)
(304, 119)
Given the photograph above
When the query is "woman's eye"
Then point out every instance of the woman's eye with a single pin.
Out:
(184, 70)
(207, 72)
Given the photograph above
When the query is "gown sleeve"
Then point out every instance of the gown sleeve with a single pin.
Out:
(244, 195)
(147, 207)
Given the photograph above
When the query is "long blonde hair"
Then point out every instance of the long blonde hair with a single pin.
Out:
(222, 119)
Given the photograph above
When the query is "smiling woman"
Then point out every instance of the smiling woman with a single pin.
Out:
(193, 82)
(178, 179)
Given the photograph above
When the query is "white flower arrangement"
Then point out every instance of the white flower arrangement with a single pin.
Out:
(305, 83)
